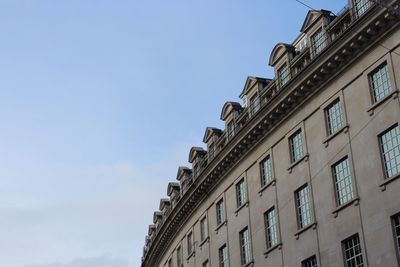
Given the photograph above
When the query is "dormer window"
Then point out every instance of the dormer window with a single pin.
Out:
(231, 130)
(211, 151)
(301, 45)
(254, 104)
(361, 7)
(318, 42)
(284, 75)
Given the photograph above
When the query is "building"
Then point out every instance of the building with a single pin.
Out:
(306, 171)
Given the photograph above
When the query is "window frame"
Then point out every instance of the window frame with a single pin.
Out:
(263, 178)
(343, 244)
(307, 262)
(223, 251)
(318, 48)
(179, 256)
(396, 236)
(293, 157)
(189, 243)
(382, 153)
(203, 229)
(254, 104)
(220, 219)
(301, 223)
(385, 64)
(329, 131)
(241, 193)
(338, 198)
(245, 246)
(275, 227)
(284, 74)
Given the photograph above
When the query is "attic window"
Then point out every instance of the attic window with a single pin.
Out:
(318, 42)
(361, 7)
(254, 104)
(284, 75)
(231, 130)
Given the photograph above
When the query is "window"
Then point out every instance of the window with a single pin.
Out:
(220, 212)
(190, 243)
(245, 246)
(266, 171)
(179, 256)
(205, 264)
(241, 197)
(203, 229)
(170, 263)
(254, 104)
(343, 182)
(231, 130)
(223, 256)
(318, 41)
(303, 207)
(310, 262)
(296, 146)
(211, 152)
(284, 75)
(390, 149)
(271, 228)
(361, 7)
(380, 83)
(334, 117)
(352, 252)
(195, 170)
(396, 230)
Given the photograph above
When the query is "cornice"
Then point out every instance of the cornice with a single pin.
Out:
(276, 106)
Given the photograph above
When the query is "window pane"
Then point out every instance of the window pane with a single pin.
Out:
(223, 256)
(334, 117)
(284, 75)
(390, 147)
(318, 42)
(254, 104)
(266, 171)
(396, 230)
(303, 206)
(203, 229)
(178, 256)
(361, 7)
(380, 83)
(190, 243)
(352, 252)
(241, 193)
(296, 146)
(220, 212)
(245, 246)
(271, 228)
(310, 262)
(343, 182)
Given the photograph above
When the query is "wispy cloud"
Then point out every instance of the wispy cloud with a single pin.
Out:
(99, 261)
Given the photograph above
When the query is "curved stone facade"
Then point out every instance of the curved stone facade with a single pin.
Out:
(305, 171)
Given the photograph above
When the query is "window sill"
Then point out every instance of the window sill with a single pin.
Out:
(246, 204)
(344, 129)
(388, 181)
(302, 230)
(305, 158)
(394, 95)
(355, 200)
(190, 255)
(251, 263)
(272, 182)
(204, 241)
(220, 225)
(277, 246)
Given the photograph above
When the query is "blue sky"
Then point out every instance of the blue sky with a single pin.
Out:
(100, 102)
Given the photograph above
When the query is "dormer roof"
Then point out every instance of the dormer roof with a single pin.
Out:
(279, 50)
(164, 202)
(173, 186)
(228, 108)
(210, 131)
(157, 216)
(251, 82)
(311, 17)
(181, 171)
(195, 152)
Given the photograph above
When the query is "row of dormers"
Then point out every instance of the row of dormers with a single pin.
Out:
(319, 28)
